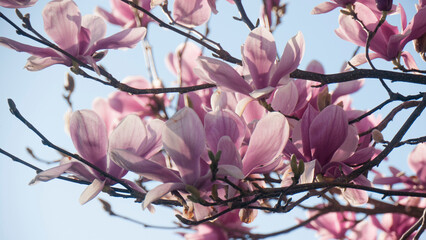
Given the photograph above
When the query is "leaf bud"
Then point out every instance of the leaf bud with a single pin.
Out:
(377, 136)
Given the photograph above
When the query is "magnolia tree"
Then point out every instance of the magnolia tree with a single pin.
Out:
(240, 132)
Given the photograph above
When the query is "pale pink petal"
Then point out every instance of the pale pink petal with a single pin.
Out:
(346, 88)
(217, 72)
(184, 140)
(417, 161)
(130, 134)
(285, 98)
(324, 7)
(308, 175)
(290, 59)
(223, 123)
(191, 12)
(161, 190)
(267, 142)
(127, 38)
(62, 22)
(348, 147)
(107, 114)
(229, 154)
(231, 171)
(361, 59)
(260, 52)
(350, 30)
(88, 133)
(51, 173)
(91, 191)
(96, 26)
(327, 133)
(17, 3)
(35, 63)
(154, 142)
(360, 156)
(145, 167)
(305, 124)
(409, 61)
(108, 16)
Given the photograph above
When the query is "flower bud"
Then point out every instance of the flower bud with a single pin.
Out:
(384, 5)
(377, 136)
(247, 215)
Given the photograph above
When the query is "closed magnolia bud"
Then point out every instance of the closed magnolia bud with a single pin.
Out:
(420, 46)
(377, 136)
(384, 5)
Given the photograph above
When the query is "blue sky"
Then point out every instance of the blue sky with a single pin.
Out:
(51, 210)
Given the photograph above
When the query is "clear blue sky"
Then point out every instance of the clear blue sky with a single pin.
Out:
(51, 210)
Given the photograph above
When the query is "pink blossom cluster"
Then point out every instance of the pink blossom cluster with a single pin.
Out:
(255, 121)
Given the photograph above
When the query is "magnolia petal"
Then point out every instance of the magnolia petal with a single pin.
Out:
(17, 3)
(290, 59)
(360, 156)
(346, 88)
(417, 161)
(154, 141)
(242, 104)
(223, 123)
(324, 7)
(109, 17)
(97, 27)
(267, 142)
(184, 140)
(159, 191)
(409, 61)
(127, 38)
(259, 52)
(191, 12)
(62, 22)
(230, 170)
(258, 93)
(348, 147)
(35, 63)
(130, 134)
(89, 135)
(217, 72)
(305, 124)
(308, 175)
(51, 173)
(285, 98)
(91, 191)
(229, 154)
(142, 166)
(327, 133)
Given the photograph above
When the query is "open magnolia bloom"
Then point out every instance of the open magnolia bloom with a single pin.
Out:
(326, 138)
(82, 37)
(89, 135)
(262, 73)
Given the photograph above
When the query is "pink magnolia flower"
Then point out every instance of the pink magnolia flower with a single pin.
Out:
(326, 138)
(17, 3)
(89, 135)
(123, 14)
(259, 60)
(191, 12)
(388, 43)
(393, 225)
(184, 141)
(80, 37)
(333, 225)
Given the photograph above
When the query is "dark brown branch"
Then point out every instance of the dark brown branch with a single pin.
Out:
(243, 14)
